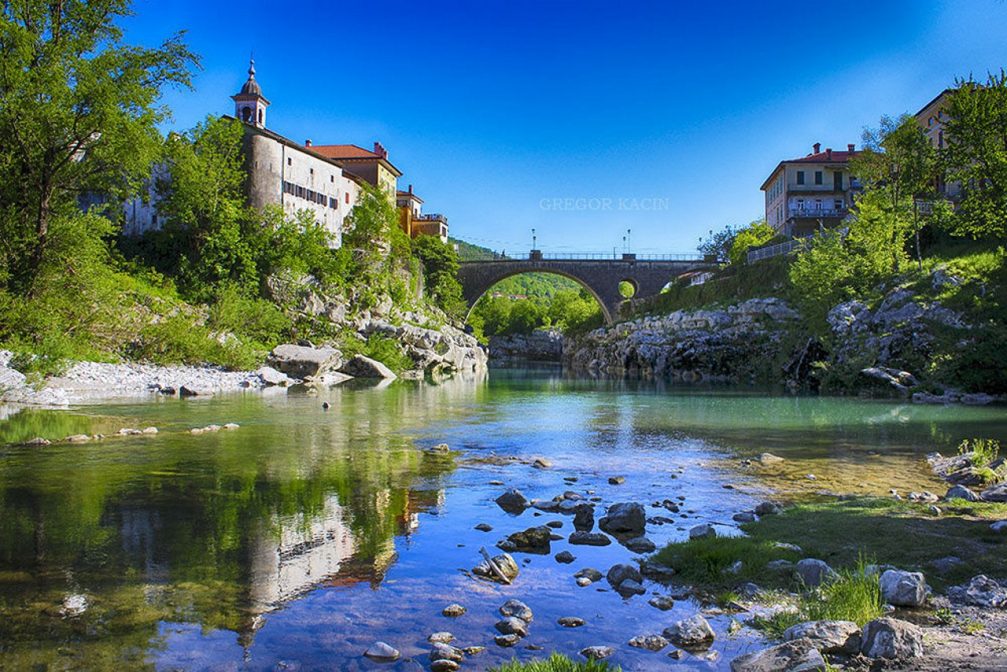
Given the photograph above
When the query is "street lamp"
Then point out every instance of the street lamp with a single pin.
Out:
(534, 240)
(629, 240)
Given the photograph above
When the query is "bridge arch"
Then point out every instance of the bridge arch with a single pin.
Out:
(599, 275)
(605, 310)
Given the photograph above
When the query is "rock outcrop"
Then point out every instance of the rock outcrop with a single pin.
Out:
(542, 345)
(688, 345)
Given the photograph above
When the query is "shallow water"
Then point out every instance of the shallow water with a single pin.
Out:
(297, 540)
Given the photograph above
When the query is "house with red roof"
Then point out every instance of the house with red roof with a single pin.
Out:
(810, 193)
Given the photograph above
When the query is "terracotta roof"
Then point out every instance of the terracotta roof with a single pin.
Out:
(836, 156)
(344, 152)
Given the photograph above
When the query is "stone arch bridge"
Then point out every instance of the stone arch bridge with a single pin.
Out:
(599, 274)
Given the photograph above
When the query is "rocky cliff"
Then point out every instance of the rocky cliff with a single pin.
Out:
(739, 343)
(542, 345)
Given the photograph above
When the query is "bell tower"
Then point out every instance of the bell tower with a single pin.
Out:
(249, 103)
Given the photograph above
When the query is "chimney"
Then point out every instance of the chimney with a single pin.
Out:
(307, 143)
(380, 150)
(851, 148)
(410, 188)
(817, 147)
(828, 154)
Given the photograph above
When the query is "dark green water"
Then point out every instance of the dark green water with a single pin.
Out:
(300, 538)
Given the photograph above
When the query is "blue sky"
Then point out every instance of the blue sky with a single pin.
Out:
(501, 113)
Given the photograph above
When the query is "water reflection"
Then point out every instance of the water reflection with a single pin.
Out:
(308, 533)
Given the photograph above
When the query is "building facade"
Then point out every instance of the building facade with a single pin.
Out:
(813, 192)
(414, 222)
(931, 119)
(325, 180)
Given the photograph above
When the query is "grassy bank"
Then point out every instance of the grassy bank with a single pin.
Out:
(843, 533)
(557, 663)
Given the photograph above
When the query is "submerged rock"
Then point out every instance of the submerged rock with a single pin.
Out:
(649, 642)
(624, 518)
(513, 501)
(512, 626)
(571, 621)
(565, 557)
(532, 540)
(589, 539)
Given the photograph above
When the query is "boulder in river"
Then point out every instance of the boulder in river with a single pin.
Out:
(517, 609)
(571, 621)
(512, 625)
(583, 517)
(597, 652)
(365, 367)
(640, 545)
(662, 602)
(382, 652)
(798, 655)
(617, 574)
(503, 562)
(627, 518)
(513, 501)
(299, 361)
(842, 637)
(903, 589)
(703, 531)
(589, 573)
(892, 638)
(453, 610)
(565, 557)
(271, 377)
(532, 540)
(691, 633)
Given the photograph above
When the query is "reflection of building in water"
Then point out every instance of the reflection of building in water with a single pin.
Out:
(296, 554)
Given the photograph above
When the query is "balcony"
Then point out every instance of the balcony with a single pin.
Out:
(817, 213)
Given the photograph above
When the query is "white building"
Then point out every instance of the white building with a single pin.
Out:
(280, 171)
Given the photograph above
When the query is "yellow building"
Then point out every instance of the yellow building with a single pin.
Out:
(414, 222)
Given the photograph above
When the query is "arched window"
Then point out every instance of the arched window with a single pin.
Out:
(260, 116)
(246, 114)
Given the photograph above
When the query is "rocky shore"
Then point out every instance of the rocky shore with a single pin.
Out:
(542, 345)
(436, 352)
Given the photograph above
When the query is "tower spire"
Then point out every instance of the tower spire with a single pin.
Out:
(249, 103)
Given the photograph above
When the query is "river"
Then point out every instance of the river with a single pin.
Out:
(300, 538)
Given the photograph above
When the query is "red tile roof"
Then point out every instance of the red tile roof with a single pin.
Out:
(344, 152)
(825, 157)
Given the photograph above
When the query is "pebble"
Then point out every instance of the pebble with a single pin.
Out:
(649, 642)
(565, 557)
(506, 640)
(484, 527)
(616, 480)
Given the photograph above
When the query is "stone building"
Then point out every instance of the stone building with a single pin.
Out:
(811, 192)
(325, 180)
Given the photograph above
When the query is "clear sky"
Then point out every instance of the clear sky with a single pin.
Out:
(664, 117)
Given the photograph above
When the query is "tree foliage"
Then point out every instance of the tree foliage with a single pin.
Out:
(975, 154)
(440, 272)
(755, 234)
(79, 110)
(718, 244)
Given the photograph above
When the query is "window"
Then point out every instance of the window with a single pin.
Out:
(332, 178)
(818, 177)
(818, 204)
(930, 121)
(940, 140)
(800, 177)
(311, 171)
(837, 204)
(347, 197)
(290, 161)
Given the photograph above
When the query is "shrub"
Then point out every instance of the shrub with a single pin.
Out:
(388, 351)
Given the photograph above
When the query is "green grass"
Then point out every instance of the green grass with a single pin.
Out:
(557, 663)
(706, 561)
(901, 533)
(984, 451)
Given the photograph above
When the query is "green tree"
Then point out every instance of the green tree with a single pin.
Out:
(440, 271)
(975, 154)
(200, 187)
(718, 244)
(79, 110)
(898, 162)
(755, 234)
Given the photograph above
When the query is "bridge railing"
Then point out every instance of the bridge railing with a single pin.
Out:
(537, 255)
